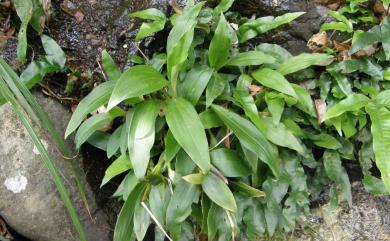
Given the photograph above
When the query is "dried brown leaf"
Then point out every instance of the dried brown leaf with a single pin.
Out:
(254, 89)
(318, 42)
(321, 109)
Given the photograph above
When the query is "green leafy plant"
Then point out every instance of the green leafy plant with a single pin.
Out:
(30, 12)
(221, 142)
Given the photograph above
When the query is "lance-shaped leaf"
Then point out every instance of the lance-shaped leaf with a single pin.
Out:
(95, 123)
(220, 44)
(274, 80)
(136, 81)
(261, 25)
(305, 103)
(215, 87)
(229, 163)
(124, 223)
(303, 61)
(380, 129)
(111, 69)
(336, 172)
(379, 33)
(179, 207)
(186, 127)
(195, 83)
(24, 9)
(120, 165)
(147, 29)
(281, 136)
(219, 192)
(180, 39)
(54, 53)
(249, 136)
(250, 58)
(141, 135)
(114, 141)
(223, 6)
(352, 103)
(141, 221)
(98, 97)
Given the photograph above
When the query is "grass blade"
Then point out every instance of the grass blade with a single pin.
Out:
(6, 92)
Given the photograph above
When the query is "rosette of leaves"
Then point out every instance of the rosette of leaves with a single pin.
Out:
(216, 141)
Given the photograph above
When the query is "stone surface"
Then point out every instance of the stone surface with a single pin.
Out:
(367, 220)
(293, 36)
(29, 202)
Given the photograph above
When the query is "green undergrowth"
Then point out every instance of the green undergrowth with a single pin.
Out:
(220, 141)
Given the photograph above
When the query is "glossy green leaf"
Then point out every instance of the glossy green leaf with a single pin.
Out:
(179, 207)
(111, 69)
(24, 9)
(274, 80)
(220, 44)
(210, 120)
(281, 136)
(141, 135)
(93, 124)
(229, 163)
(124, 223)
(180, 40)
(113, 143)
(195, 83)
(147, 29)
(35, 72)
(261, 25)
(171, 147)
(126, 186)
(159, 197)
(54, 53)
(352, 103)
(215, 88)
(248, 190)
(337, 173)
(380, 129)
(379, 33)
(186, 127)
(249, 136)
(279, 53)
(254, 221)
(275, 104)
(196, 178)
(141, 221)
(248, 104)
(383, 98)
(184, 164)
(303, 61)
(326, 141)
(223, 6)
(136, 81)
(305, 102)
(38, 18)
(250, 58)
(98, 97)
(120, 165)
(219, 192)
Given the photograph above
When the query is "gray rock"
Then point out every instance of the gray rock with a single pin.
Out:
(367, 220)
(293, 36)
(29, 201)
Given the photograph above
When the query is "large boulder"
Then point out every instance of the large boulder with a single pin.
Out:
(29, 201)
